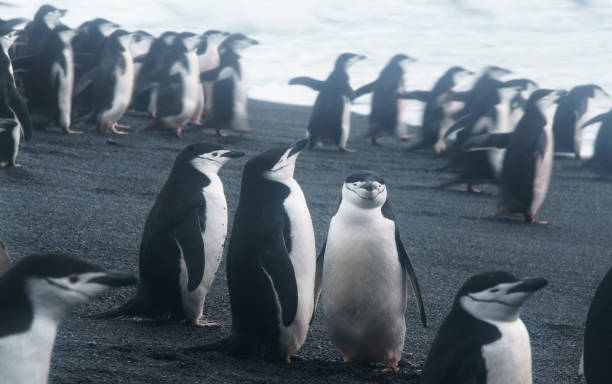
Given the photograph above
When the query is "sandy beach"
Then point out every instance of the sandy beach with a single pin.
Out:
(89, 196)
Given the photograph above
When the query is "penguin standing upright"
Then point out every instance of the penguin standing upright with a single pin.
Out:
(35, 295)
(529, 159)
(598, 335)
(45, 20)
(49, 80)
(179, 85)
(229, 108)
(271, 259)
(209, 60)
(601, 161)
(364, 313)
(387, 104)
(482, 339)
(330, 121)
(183, 239)
(570, 116)
(113, 82)
(14, 114)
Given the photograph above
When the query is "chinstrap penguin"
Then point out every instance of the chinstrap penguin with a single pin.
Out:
(330, 122)
(362, 273)
(482, 339)
(35, 295)
(183, 239)
(601, 161)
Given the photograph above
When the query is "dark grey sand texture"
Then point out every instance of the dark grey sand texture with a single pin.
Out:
(88, 197)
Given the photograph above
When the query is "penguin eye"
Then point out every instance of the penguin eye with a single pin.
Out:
(73, 279)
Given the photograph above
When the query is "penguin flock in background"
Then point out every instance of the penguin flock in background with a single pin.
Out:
(504, 131)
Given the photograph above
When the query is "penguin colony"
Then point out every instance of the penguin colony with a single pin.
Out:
(505, 132)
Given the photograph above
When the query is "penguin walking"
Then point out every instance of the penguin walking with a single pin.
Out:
(209, 60)
(387, 104)
(271, 260)
(482, 339)
(364, 313)
(183, 239)
(35, 295)
(113, 82)
(601, 161)
(529, 159)
(570, 116)
(5, 261)
(330, 121)
(229, 100)
(179, 85)
(14, 114)
(49, 80)
(45, 20)
(597, 335)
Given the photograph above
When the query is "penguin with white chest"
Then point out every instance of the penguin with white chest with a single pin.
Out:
(183, 239)
(528, 161)
(362, 273)
(209, 60)
(35, 295)
(330, 121)
(113, 82)
(271, 259)
(482, 339)
(229, 99)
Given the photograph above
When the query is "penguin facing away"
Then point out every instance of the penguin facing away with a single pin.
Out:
(601, 161)
(597, 335)
(482, 339)
(271, 260)
(229, 99)
(387, 104)
(362, 272)
(35, 295)
(570, 116)
(330, 121)
(183, 240)
(529, 159)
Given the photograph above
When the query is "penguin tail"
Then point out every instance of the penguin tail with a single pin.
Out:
(129, 309)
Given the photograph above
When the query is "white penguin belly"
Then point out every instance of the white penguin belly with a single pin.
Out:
(346, 122)
(240, 118)
(215, 232)
(508, 360)
(504, 125)
(26, 356)
(364, 287)
(65, 87)
(122, 95)
(191, 82)
(543, 170)
(303, 258)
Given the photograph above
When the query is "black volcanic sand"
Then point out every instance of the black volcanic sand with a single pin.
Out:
(89, 197)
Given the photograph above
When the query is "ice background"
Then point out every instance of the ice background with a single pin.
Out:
(557, 43)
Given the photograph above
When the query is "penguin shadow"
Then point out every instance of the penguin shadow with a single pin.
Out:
(517, 221)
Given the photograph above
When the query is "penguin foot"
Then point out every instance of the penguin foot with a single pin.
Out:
(121, 126)
(406, 137)
(529, 219)
(72, 132)
(388, 368)
(244, 129)
(471, 189)
(347, 150)
(206, 112)
(204, 323)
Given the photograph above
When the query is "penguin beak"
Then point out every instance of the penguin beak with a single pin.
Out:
(368, 187)
(529, 285)
(62, 12)
(253, 42)
(233, 154)
(560, 94)
(297, 147)
(115, 279)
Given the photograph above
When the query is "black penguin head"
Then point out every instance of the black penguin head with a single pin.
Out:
(65, 33)
(105, 27)
(587, 91)
(50, 15)
(401, 60)
(496, 296)
(237, 42)
(365, 190)
(122, 37)
(204, 157)
(189, 40)
(496, 72)
(458, 73)
(275, 164)
(214, 36)
(54, 283)
(168, 38)
(346, 60)
(542, 99)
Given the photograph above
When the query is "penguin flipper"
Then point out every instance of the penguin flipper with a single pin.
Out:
(277, 266)
(487, 141)
(522, 84)
(597, 119)
(84, 81)
(368, 88)
(318, 279)
(416, 95)
(306, 81)
(188, 236)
